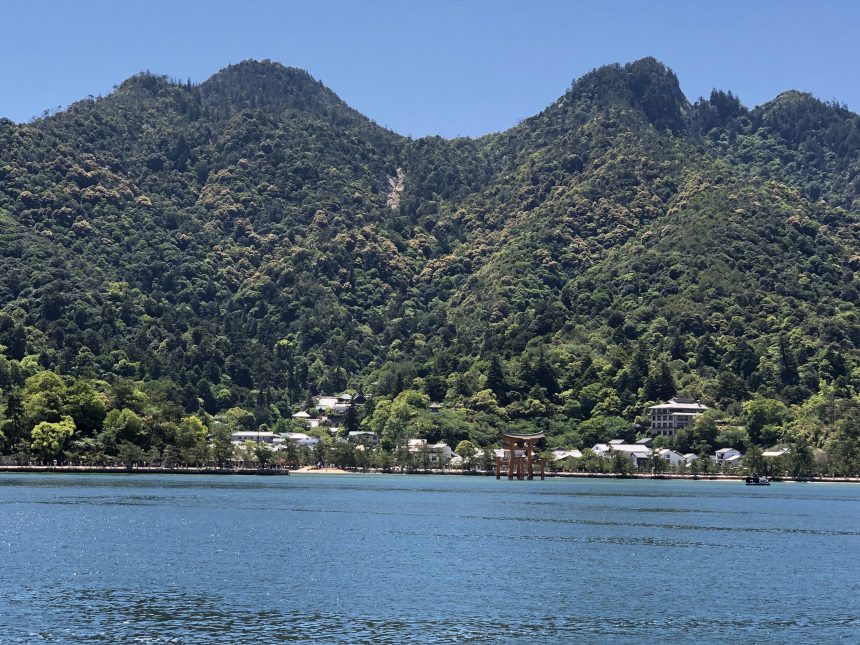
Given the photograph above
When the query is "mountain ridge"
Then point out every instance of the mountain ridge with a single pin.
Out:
(252, 68)
(232, 244)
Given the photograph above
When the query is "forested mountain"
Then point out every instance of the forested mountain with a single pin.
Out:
(177, 252)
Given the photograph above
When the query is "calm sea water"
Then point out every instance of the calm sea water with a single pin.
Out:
(384, 559)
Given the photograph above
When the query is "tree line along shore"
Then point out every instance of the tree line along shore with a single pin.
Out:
(50, 419)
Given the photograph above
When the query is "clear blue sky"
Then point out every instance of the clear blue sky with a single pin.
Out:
(440, 67)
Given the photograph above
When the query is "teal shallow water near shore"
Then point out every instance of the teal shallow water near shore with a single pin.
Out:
(315, 558)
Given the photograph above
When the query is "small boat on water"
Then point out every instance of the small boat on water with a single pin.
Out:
(755, 480)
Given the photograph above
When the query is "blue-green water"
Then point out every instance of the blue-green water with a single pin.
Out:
(381, 559)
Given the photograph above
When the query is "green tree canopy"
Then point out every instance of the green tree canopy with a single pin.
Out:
(48, 439)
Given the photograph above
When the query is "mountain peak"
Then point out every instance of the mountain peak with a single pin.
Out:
(144, 82)
(646, 84)
(252, 70)
(800, 118)
(254, 84)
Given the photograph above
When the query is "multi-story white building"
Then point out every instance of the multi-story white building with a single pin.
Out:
(676, 413)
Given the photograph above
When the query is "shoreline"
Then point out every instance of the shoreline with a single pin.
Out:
(143, 470)
(310, 470)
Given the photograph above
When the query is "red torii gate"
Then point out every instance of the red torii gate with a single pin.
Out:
(520, 455)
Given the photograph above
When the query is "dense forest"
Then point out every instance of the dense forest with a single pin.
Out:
(178, 261)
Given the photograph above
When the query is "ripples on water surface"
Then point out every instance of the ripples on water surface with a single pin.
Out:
(384, 559)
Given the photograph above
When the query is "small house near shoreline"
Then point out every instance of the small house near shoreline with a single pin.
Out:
(672, 458)
(436, 453)
(728, 457)
(301, 439)
(637, 453)
(271, 438)
(363, 437)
